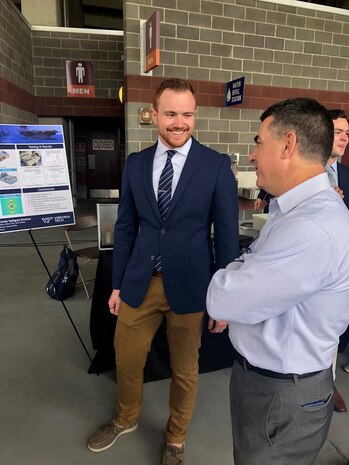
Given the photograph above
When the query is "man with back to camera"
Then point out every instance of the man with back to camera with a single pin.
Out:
(286, 331)
(163, 261)
(339, 179)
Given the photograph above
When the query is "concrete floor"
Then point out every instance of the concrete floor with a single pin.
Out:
(49, 405)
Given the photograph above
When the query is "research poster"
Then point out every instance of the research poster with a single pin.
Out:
(34, 178)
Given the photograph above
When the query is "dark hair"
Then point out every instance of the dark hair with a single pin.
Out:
(177, 85)
(310, 121)
(337, 113)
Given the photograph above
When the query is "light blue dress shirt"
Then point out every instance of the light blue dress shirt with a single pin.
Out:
(288, 302)
(178, 161)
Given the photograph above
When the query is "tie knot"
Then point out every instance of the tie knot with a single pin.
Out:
(170, 153)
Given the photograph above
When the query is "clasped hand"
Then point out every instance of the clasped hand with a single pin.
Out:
(216, 326)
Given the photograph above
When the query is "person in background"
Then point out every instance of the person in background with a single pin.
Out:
(340, 180)
(334, 166)
(286, 331)
(262, 201)
(172, 193)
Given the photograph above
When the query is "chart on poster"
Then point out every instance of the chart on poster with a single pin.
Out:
(34, 178)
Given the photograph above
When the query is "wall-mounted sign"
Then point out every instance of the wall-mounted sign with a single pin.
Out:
(145, 116)
(152, 42)
(234, 92)
(80, 79)
(103, 144)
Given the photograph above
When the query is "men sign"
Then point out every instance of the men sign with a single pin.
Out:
(80, 79)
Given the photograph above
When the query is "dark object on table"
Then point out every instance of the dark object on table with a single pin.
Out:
(216, 351)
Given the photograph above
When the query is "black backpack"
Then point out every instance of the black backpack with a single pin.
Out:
(64, 278)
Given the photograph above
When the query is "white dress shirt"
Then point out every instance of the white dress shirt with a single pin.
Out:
(288, 302)
(178, 161)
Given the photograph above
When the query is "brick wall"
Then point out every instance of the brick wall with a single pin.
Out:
(33, 72)
(16, 67)
(52, 49)
(282, 50)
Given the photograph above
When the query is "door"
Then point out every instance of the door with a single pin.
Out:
(102, 146)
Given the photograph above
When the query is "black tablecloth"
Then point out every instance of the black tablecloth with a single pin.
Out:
(215, 353)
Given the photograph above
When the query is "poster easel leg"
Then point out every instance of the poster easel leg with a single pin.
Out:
(62, 302)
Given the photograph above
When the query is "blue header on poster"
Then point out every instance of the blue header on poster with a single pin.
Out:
(234, 92)
(30, 134)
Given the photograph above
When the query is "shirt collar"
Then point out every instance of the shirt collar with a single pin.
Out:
(303, 191)
(184, 150)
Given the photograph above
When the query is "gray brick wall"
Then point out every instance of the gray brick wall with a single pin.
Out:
(35, 60)
(242, 30)
(219, 40)
(52, 49)
(12, 115)
(15, 48)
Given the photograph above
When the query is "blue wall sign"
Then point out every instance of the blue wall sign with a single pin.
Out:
(234, 92)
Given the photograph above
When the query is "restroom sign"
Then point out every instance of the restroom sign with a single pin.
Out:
(152, 42)
(80, 78)
(234, 92)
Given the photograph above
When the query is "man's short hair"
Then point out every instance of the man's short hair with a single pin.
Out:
(177, 85)
(311, 123)
(337, 113)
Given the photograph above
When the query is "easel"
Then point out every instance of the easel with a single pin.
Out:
(62, 302)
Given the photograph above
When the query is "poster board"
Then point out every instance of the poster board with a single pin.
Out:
(34, 178)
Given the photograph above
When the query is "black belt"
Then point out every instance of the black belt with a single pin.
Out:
(271, 374)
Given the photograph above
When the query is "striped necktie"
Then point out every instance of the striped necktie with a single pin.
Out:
(331, 176)
(165, 194)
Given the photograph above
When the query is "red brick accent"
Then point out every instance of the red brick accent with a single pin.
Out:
(73, 106)
(16, 97)
(141, 89)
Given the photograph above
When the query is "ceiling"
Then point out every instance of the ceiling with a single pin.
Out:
(93, 14)
(108, 14)
(100, 14)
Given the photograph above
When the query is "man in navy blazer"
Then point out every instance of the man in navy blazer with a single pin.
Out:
(163, 262)
(343, 181)
(340, 142)
(341, 174)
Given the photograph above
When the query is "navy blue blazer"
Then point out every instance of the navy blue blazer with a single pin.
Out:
(206, 194)
(343, 181)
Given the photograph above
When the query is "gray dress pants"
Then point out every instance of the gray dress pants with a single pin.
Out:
(277, 421)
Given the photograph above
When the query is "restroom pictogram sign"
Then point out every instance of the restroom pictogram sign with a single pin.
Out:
(152, 42)
(80, 78)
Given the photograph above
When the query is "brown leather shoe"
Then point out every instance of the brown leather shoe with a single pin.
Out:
(339, 404)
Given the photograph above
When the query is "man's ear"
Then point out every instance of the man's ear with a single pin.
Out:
(290, 144)
(154, 115)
